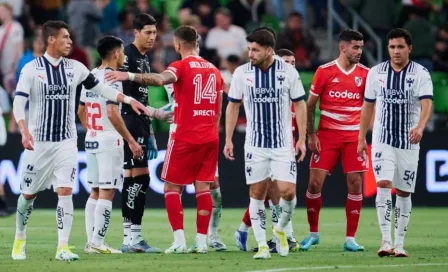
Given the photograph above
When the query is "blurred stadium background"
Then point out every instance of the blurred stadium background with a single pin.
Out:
(307, 27)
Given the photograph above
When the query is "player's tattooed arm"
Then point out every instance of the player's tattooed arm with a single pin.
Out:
(155, 79)
(311, 112)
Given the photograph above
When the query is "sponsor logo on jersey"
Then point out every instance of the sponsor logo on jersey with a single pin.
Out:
(336, 80)
(345, 94)
(358, 81)
(143, 90)
(91, 95)
(57, 96)
(203, 113)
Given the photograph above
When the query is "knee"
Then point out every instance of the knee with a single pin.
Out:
(315, 185)
(29, 197)
(64, 191)
(169, 187)
(107, 194)
(94, 194)
(289, 192)
(402, 193)
(257, 192)
(384, 184)
(354, 183)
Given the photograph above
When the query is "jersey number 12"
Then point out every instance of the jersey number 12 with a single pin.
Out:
(209, 92)
(93, 113)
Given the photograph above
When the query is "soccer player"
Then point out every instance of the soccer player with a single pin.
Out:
(400, 93)
(136, 176)
(49, 82)
(267, 85)
(273, 195)
(339, 85)
(104, 146)
(192, 153)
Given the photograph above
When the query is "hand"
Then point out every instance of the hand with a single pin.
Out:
(136, 149)
(300, 146)
(114, 76)
(314, 143)
(167, 116)
(152, 148)
(362, 149)
(27, 139)
(139, 107)
(415, 135)
(228, 151)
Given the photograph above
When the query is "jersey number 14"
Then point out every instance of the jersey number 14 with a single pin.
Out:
(209, 92)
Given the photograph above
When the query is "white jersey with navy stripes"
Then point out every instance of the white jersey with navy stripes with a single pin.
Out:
(101, 134)
(267, 102)
(51, 90)
(397, 95)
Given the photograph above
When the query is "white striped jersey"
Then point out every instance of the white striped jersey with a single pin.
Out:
(101, 134)
(267, 102)
(50, 86)
(397, 96)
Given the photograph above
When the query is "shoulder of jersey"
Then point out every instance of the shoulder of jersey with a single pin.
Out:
(328, 65)
(362, 66)
(381, 68)
(416, 68)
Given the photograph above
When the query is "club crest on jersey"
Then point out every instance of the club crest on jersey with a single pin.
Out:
(316, 158)
(409, 81)
(358, 81)
(281, 79)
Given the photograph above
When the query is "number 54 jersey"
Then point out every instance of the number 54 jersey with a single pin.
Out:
(101, 134)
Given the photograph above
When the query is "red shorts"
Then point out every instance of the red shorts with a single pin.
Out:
(186, 162)
(335, 143)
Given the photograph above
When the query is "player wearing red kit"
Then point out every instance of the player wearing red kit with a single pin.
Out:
(340, 87)
(193, 148)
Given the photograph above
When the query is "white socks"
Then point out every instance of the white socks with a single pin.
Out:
(243, 227)
(275, 213)
(89, 217)
(287, 207)
(179, 237)
(64, 219)
(127, 233)
(103, 214)
(383, 205)
(24, 209)
(216, 212)
(136, 234)
(257, 213)
(403, 207)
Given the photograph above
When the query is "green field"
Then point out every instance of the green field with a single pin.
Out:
(426, 242)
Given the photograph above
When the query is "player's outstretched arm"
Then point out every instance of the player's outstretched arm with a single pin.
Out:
(232, 111)
(416, 134)
(150, 79)
(113, 113)
(301, 117)
(82, 115)
(161, 113)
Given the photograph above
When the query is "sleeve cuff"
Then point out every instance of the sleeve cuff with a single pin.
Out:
(369, 100)
(312, 93)
(108, 102)
(22, 94)
(298, 98)
(425, 97)
(167, 70)
(82, 103)
(234, 100)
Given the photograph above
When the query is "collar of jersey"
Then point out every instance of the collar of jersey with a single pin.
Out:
(55, 62)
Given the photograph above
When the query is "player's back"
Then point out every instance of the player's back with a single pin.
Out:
(100, 131)
(196, 95)
(341, 95)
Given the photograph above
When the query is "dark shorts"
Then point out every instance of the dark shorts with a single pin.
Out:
(139, 129)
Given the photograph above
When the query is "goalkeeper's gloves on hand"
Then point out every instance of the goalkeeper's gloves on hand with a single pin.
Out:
(152, 147)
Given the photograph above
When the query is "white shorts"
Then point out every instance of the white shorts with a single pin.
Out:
(396, 165)
(105, 169)
(51, 163)
(276, 163)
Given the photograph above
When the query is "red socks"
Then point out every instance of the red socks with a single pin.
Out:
(174, 210)
(353, 211)
(204, 211)
(313, 205)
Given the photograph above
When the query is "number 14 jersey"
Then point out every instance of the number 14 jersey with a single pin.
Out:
(101, 134)
(197, 98)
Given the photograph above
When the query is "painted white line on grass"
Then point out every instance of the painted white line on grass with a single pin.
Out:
(348, 266)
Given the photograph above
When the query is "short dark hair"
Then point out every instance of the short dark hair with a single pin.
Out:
(349, 35)
(284, 52)
(188, 34)
(272, 31)
(400, 33)
(51, 28)
(143, 19)
(107, 44)
(262, 37)
(233, 59)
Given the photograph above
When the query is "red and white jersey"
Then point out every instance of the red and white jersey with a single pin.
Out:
(196, 95)
(341, 95)
(101, 134)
